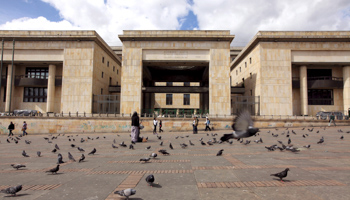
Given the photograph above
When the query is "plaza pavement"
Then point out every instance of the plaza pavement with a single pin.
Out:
(242, 172)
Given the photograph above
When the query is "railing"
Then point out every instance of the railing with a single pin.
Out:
(330, 78)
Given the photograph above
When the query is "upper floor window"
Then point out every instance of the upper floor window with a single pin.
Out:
(169, 83)
(40, 73)
(102, 74)
(187, 84)
(169, 99)
(103, 59)
(187, 98)
(107, 63)
(114, 68)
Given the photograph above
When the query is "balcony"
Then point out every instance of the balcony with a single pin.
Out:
(114, 89)
(321, 82)
(36, 81)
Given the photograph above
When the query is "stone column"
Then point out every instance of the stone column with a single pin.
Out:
(131, 80)
(303, 90)
(219, 82)
(346, 88)
(10, 85)
(51, 89)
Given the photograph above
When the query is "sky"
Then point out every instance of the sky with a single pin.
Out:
(244, 18)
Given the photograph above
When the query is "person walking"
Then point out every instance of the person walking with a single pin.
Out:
(135, 128)
(11, 127)
(332, 119)
(194, 125)
(160, 126)
(207, 122)
(155, 123)
(24, 128)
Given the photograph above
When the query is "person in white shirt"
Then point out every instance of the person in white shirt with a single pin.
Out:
(155, 123)
(207, 122)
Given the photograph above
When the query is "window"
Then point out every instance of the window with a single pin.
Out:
(103, 59)
(320, 97)
(245, 64)
(251, 92)
(114, 68)
(102, 74)
(40, 73)
(35, 94)
(236, 72)
(107, 63)
(117, 83)
(169, 83)
(240, 69)
(250, 60)
(101, 91)
(187, 84)
(4, 94)
(117, 71)
(187, 99)
(110, 80)
(251, 75)
(169, 99)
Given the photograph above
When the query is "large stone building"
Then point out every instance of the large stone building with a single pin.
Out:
(277, 73)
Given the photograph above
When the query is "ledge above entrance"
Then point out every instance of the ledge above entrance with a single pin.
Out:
(178, 35)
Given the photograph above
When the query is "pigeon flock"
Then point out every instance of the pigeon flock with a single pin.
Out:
(243, 132)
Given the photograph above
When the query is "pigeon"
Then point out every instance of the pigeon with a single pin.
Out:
(171, 146)
(153, 155)
(81, 150)
(72, 145)
(8, 140)
(176, 137)
(161, 143)
(209, 142)
(131, 146)
(342, 137)
(150, 179)
(12, 190)
(191, 143)
(145, 159)
(247, 142)
(307, 146)
(59, 159)
(203, 143)
(123, 144)
(242, 127)
(220, 152)
(24, 154)
(230, 142)
(92, 152)
(270, 148)
(289, 141)
(115, 142)
(282, 174)
(54, 150)
(149, 147)
(71, 157)
(38, 153)
(17, 166)
(54, 170)
(321, 141)
(82, 158)
(183, 145)
(159, 137)
(126, 193)
(164, 152)
(261, 141)
(56, 146)
(114, 147)
(27, 141)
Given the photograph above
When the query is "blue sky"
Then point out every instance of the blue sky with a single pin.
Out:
(244, 18)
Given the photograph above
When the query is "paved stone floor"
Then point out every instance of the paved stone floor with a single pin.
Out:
(242, 172)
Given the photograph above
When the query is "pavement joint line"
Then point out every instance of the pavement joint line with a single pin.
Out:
(142, 172)
(313, 157)
(151, 161)
(326, 168)
(35, 187)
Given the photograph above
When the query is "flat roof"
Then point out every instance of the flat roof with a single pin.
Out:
(291, 36)
(176, 35)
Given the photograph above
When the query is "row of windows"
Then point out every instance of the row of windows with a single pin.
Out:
(186, 100)
(245, 64)
(187, 84)
(103, 61)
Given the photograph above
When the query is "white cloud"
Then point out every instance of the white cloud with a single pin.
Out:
(40, 23)
(246, 18)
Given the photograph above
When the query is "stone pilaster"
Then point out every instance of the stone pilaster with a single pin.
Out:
(51, 89)
(346, 88)
(10, 85)
(303, 90)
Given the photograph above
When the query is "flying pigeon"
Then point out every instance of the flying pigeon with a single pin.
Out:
(92, 152)
(54, 170)
(242, 127)
(12, 190)
(150, 179)
(17, 166)
(282, 174)
(220, 152)
(24, 154)
(82, 158)
(71, 157)
(126, 193)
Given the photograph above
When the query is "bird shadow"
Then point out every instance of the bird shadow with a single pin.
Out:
(17, 195)
(155, 185)
(287, 181)
(55, 174)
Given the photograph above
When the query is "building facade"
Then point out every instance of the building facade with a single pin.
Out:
(176, 72)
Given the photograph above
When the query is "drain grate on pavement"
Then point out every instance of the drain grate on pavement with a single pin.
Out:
(275, 183)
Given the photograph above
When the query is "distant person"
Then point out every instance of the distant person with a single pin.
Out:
(24, 128)
(135, 128)
(11, 128)
(160, 126)
(332, 119)
(207, 123)
(155, 123)
(194, 125)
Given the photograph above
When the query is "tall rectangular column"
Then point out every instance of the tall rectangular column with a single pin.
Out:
(51, 89)
(219, 82)
(303, 90)
(346, 88)
(10, 86)
(131, 80)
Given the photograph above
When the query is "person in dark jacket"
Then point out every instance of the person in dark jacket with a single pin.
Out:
(11, 128)
(160, 126)
(135, 128)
